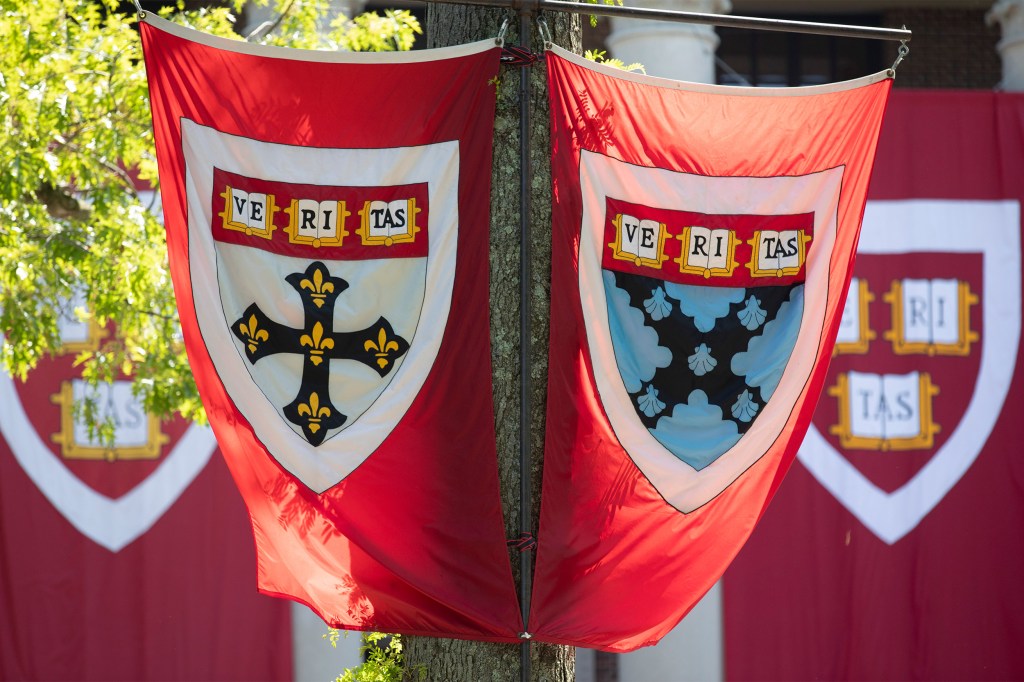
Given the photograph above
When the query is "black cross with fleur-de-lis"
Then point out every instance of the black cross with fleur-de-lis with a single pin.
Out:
(377, 347)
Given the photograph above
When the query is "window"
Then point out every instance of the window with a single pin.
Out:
(774, 59)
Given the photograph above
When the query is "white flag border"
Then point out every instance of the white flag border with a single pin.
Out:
(327, 56)
(890, 516)
(600, 177)
(437, 165)
(111, 523)
(735, 90)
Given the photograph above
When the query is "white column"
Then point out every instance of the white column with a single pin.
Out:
(257, 15)
(350, 8)
(666, 48)
(1010, 14)
(313, 657)
(692, 652)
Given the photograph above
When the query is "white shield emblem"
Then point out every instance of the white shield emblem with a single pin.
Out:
(896, 398)
(313, 270)
(112, 495)
(699, 378)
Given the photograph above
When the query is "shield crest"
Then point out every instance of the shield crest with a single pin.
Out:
(917, 383)
(112, 495)
(324, 262)
(712, 303)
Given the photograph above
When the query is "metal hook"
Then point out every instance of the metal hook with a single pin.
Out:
(138, 8)
(545, 32)
(902, 52)
(500, 40)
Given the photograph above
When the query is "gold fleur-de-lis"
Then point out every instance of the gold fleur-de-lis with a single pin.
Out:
(383, 346)
(314, 412)
(318, 287)
(250, 330)
(317, 343)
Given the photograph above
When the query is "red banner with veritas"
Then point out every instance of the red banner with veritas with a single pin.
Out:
(127, 559)
(894, 551)
(326, 223)
(702, 243)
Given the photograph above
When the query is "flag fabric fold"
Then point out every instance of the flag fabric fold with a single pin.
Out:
(702, 243)
(326, 221)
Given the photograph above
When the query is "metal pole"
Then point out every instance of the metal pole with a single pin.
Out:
(725, 20)
(756, 23)
(526, 16)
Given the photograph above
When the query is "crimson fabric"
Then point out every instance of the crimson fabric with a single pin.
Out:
(411, 541)
(816, 594)
(619, 564)
(177, 603)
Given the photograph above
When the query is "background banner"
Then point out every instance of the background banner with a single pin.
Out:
(702, 244)
(123, 563)
(327, 221)
(894, 550)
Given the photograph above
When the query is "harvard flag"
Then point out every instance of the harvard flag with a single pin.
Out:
(125, 560)
(895, 551)
(702, 243)
(327, 226)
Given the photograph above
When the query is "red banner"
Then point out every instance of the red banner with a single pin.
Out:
(702, 244)
(326, 217)
(895, 550)
(129, 562)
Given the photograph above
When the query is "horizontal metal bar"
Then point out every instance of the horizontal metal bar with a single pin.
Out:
(726, 20)
(756, 23)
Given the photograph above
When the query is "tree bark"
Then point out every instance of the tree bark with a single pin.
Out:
(455, 660)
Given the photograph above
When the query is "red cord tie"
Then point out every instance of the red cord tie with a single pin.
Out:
(524, 543)
(513, 55)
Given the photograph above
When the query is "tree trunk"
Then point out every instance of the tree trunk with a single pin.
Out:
(455, 660)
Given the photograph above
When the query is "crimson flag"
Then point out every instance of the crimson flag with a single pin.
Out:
(128, 561)
(327, 227)
(702, 243)
(895, 550)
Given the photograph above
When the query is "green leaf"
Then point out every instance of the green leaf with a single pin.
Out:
(74, 115)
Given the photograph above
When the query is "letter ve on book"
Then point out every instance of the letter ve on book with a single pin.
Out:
(855, 333)
(641, 242)
(248, 212)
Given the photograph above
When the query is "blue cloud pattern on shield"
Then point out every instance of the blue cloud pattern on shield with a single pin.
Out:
(700, 362)
(766, 355)
(704, 304)
(641, 355)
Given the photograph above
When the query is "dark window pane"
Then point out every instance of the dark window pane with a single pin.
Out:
(772, 59)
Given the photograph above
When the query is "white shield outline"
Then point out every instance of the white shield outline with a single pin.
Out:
(948, 226)
(682, 486)
(111, 523)
(437, 165)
